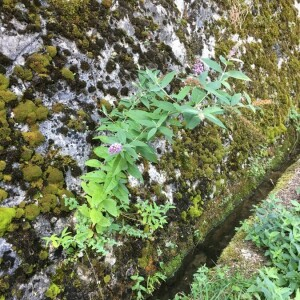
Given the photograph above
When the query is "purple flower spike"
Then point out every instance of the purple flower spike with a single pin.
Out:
(115, 148)
(198, 67)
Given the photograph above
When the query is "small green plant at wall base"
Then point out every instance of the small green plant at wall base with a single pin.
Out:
(217, 284)
(126, 134)
(153, 215)
(150, 284)
(277, 230)
(138, 287)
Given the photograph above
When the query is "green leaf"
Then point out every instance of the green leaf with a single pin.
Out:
(110, 127)
(197, 95)
(101, 152)
(192, 122)
(162, 119)
(175, 122)
(95, 216)
(212, 64)
(214, 85)
(214, 120)
(131, 151)
(138, 144)
(106, 139)
(221, 96)
(186, 109)
(110, 205)
(147, 123)
(235, 99)
(136, 114)
(203, 77)
(119, 164)
(134, 171)
(110, 183)
(122, 194)
(164, 105)
(148, 153)
(247, 97)
(121, 135)
(154, 88)
(223, 60)
(95, 163)
(226, 84)
(84, 210)
(238, 75)
(103, 222)
(95, 176)
(151, 133)
(182, 94)
(97, 198)
(145, 101)
(167, 79)
(152, 74)
(213, 110)
(167, 132)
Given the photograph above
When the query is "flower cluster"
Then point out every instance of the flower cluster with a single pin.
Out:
(198, 67)
(115, 148)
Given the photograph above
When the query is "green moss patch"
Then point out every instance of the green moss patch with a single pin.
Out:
(39, 62)
(32, 173)
(29, 112)
(3, 194)
(54, 175)
(23, 73)
(33, 138)
(67, 74)
(7, 96)
(6, 216)
(4, 82)
(31, 211)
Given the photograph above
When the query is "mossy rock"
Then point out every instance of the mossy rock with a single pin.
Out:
(4, 82)
(50, 189)
(31, 211)
(7, 96)
(42, 113)
(2, 165)
(107, 3)
(23, 73)
(43, 255)
(29, 112)
(53, 291)
(23, 110)
(34, 138)
(26, 153)
(67, 74)
(195, 210)
(52, 51)
(6, 216)
(19, 213)
(39, 62)
(54, 175)
(3, 194)
(69, 8)
(32, 173)
(47, 202)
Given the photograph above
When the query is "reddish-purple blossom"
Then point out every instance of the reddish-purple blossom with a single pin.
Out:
(115, 148)
(198, 67)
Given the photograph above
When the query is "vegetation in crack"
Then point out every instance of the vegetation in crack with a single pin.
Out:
(275, 229)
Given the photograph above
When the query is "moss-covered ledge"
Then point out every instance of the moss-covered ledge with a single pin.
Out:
(243, 256)
(218, 209)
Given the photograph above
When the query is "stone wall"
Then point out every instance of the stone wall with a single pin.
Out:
(60, 61)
